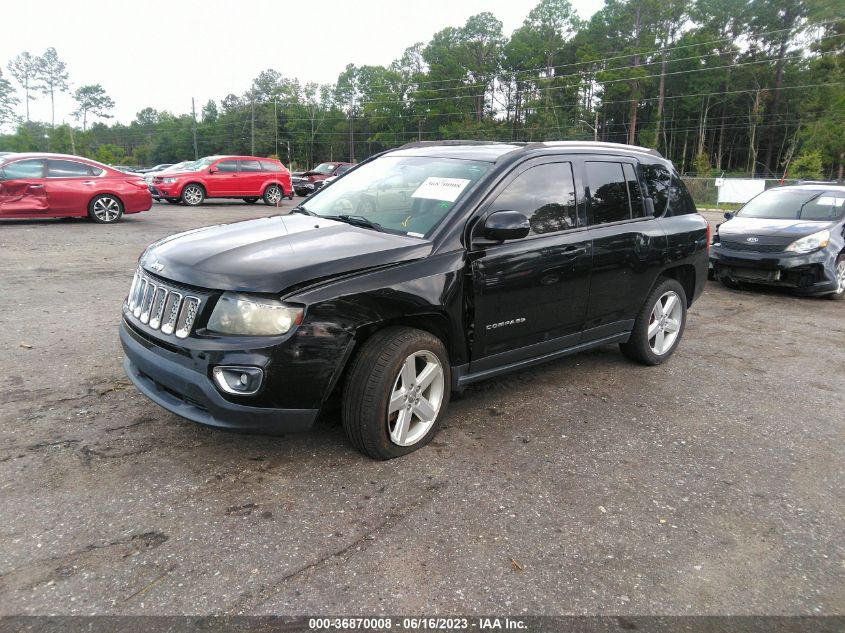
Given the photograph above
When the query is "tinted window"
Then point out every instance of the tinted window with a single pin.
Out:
(634, 193)
(657, 182)
(343, 169)
(250, 165)
(67, 169)
(545, 195)
(227, 165)
(267, 165)
(608, 193)
(33, 168)
(680, 202)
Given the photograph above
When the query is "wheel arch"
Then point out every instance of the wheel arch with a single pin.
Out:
(685, 275)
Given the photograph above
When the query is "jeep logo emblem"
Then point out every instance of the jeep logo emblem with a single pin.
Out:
(157, 266)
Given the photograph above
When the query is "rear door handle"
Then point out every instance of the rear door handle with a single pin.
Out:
(88, 182)
(36, 186)
(572, 251)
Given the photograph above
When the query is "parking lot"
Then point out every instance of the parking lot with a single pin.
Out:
(712, 484)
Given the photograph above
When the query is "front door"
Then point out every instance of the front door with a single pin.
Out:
(530, 295)
(22, 191)
(224, 180)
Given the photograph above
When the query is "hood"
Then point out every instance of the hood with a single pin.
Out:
(773, 231)
(275, 253)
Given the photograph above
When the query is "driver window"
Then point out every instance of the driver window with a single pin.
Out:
(227, 166)
(31, 168)
(544, 194)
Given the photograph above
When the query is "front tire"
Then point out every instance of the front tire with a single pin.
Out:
(839, 294)
(105, 209)
(659, 325)
(396, 393)
(250, 200)
(273, 195)
(193, 195)
(174, 200)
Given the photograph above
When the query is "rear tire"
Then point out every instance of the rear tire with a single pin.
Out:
(193, 195)
(173, 200)
(659, 326)
(396, 392)
(273, 195)
(727, 282)
(105, 209)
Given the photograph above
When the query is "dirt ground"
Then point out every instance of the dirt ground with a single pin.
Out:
(712, 484)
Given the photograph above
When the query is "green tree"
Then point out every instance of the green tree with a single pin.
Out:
(24, 68)
(7, 101)
(94, 100)
(52, 77)
(807, 166)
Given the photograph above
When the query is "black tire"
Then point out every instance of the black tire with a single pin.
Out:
(250, 200)
(373, 375)
(193, 195)
(273, 195)
(733, 284)
(174, 200)
(839, 295)
(638, 347)
(105, 209)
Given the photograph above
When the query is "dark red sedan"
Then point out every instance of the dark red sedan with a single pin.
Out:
(57, 185)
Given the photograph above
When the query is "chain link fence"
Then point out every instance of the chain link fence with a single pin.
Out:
(705, 193)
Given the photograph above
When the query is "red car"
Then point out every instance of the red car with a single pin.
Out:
(246, 177)
(308, 182)
(57, 185)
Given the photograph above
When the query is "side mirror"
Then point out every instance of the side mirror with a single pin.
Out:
(729, 215)
(506, 225)
(213, 170)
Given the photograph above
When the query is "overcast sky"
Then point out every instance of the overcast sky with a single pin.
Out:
(160, 54)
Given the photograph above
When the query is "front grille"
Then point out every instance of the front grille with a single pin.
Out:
(162, 307)
(755, 247)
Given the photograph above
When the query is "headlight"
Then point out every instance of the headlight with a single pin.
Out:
(252, 316)
(168, 181)
(810, 243)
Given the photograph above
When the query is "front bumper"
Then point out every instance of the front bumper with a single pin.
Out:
(812, 273)
(166, 379)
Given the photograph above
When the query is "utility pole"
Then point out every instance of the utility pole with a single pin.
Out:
(351, 130)
(276, 126)
(194, 127)
(252, 132)
(73, 144)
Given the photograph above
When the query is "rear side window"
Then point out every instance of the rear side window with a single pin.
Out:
(227, 166)
(250, 165)
(657, 182)
(32, 168)
(608, 193)
(545, 194)
(268, 165)
(634, 192)
(680, 202)
(68, 169)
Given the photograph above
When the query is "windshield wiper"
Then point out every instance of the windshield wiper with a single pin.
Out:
(357, 220)
(302, 210)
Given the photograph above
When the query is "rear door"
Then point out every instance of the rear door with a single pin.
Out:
(530, 295)
(70, 186)
(251, 178)
(224, 181)
(629, 246)
(22, 189)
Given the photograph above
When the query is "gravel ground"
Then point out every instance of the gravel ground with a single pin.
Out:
(709, 485)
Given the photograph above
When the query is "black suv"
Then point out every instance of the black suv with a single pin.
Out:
(422, 270)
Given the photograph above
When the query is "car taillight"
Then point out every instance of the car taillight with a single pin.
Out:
(141, 184)
(709, 234)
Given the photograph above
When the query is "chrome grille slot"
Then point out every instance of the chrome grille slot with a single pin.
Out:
(154, 304)
(172, 305)
(187, 316)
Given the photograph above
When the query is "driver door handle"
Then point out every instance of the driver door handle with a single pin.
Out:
(36, 186)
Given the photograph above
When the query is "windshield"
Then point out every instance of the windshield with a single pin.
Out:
(786, 204)
(324, 169)
(200, 164)
(406, 195)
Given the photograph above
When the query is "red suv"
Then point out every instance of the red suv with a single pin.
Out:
(246, 177)
(308, 182)
(56, 185)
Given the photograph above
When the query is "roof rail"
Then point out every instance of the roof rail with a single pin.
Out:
(596, 144)
(457, 142)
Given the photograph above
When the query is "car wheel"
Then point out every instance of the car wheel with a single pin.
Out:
(105, 209)
(840, 277)
(272, 195)
(250, 200)
(733, 284)
(659, 326)
(193, 195)
(396, 392)
(174, 200)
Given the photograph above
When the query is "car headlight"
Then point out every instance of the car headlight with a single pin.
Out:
(252, 316)
(810, 243)
(168, 181)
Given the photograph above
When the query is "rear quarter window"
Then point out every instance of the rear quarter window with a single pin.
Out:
(667, 190)
(268, 165)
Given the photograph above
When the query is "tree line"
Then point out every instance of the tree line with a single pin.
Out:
(750, 87)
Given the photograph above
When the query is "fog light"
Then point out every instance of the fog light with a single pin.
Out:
(238, 381)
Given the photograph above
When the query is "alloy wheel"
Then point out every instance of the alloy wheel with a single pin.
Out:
(274, 195)
(192, 194)
(840, 277)
(416, 398)
(106, 209)
(665, 323)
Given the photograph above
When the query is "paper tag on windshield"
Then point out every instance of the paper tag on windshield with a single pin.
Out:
(447, 189)
(830, 201)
